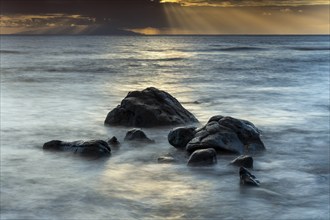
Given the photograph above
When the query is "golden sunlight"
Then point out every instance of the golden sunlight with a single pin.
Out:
(147, 31)
(246, 20)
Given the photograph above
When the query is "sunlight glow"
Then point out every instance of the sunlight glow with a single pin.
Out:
(146, 31)
(243, 20)
(185, 17)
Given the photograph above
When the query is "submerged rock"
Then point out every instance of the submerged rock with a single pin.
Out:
(203, 157)
(243, 161)
(147, 108)
(179, 137)
(246, 178)
(168, 158)
(113, 141)
(227, 134)
(92, 148)
(136, 134)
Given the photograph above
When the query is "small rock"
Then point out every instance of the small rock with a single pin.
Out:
(113, 141)
(92, 148)
(246, 178)
(179, 137)
(243, 161)
(166, 159)
(203, 157)
(136, 134)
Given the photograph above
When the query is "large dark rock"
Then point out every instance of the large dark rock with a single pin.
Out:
(179, 137)
(227, 134)
(136, 134)
(203, 157)
(92, 148)
(147, 108)
(243, 161)
(246, 178)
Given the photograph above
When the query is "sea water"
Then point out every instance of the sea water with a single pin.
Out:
(62, 87)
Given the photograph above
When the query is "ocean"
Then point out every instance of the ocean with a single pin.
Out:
(62, 87)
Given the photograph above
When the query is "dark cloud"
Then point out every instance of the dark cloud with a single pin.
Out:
(45, 20)
(121, 13)
(248, 3)
(165, 16)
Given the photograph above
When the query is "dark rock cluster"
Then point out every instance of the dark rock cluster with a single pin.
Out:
(223, 134)
(152, 107)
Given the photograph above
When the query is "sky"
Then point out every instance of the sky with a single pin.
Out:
(164, 17)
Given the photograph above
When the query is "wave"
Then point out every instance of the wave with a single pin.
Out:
(73, 69)
(191, 102)
(133, 59)
(155, 50)
(79, 70)
(241, 48)
(309, 48)
(12, 52)
(224, 49)
(160, 59)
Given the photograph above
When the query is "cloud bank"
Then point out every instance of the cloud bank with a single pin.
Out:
(165, 16)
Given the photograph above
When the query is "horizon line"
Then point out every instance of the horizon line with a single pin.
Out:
(150, 35)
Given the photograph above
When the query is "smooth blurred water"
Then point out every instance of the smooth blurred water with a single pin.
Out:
(61, 87)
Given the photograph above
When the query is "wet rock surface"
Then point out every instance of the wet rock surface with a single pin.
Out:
(224, 134)
(203, 157)
(149, 108)
(91, 148)
(167, 158)
(243, 161)
(246, 178)
(113, 141)
(136, 134)
(179, 137)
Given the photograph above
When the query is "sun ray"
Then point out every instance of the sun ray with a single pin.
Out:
(245, 20)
